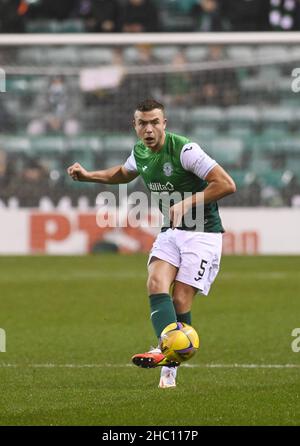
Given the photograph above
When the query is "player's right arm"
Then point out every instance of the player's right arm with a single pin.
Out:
(113, 175)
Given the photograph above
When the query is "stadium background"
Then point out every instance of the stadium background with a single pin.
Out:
(71, 99)
(226, 74)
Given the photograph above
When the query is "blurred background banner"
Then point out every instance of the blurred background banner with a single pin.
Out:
(26, 231)
(76, 72)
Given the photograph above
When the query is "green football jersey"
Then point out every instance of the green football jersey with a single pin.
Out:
(164, 175)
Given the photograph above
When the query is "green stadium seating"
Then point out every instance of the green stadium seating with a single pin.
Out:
(15, 143)
(259, 137)
(11, 103)
(71, 26)
(114, 159)
(268, 173)
(295, 51)
(37, 84)
(204, 115)
(254, 85)
(117, 149)
(277, 115)
(40, 26)
(241, 52)
(88, 143)
(46, 57)
(287, 98)
(291, 145)
(293, 164)
(84, 156)
(273, 133)
(242, 114)
(268, 140)
(131, 55)
(265, 147)
(267, 158)
(49, 144)
(284, 88)
(195, 53)
(177, 129)
(119, 143)
(204, 133)
(96, 56)
(176, 116)
(243, 132)
(268, 73)
(177, 5)
(272, 178)
(30, 55)
(239, 176)
(176, 21)
(264, 52)
(165, 54)
(54, 26)
(227, 151)
(17, 85)
(60, 56)
(26, 84)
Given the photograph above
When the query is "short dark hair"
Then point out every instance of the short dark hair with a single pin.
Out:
(149, 105)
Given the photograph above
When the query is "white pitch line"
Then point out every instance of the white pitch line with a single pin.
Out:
(128, 275)
(203, 366)
(244, 366)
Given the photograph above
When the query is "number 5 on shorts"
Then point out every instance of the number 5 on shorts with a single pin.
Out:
(202, 270)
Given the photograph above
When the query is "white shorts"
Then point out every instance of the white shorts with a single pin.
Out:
(197, 255)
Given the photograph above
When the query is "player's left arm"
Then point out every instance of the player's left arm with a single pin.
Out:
(219, 185)
(219, 181)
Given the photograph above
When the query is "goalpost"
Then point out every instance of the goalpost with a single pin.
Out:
(153, 38)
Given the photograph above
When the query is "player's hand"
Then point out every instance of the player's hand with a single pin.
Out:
(176, 213)
(78, 173)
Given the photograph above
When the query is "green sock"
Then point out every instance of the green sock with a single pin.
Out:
(185, 317)
(162, 311)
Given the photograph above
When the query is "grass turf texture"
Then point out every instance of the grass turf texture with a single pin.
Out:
(93, 312)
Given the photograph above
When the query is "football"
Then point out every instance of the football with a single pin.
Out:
(179, 341)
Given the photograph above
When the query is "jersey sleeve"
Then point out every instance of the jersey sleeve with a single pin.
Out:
(195, 160)
(130, 163)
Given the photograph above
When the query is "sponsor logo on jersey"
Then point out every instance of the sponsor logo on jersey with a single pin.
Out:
(158, 187)
(144, 168)
(188, 148)
(168, 169)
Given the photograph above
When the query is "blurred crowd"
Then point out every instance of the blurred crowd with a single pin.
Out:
(27, 181)
(48, 122)
(147, 15)
(60, 106)
(61, 109)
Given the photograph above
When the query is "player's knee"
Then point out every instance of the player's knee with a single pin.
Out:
(156, 284)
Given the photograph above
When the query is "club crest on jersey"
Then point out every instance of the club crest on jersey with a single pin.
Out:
(168, 169)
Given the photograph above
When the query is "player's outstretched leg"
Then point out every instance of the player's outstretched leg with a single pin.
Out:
(161, 276)
(182, 305)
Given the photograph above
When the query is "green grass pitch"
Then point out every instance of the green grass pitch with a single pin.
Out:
(73, 323)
